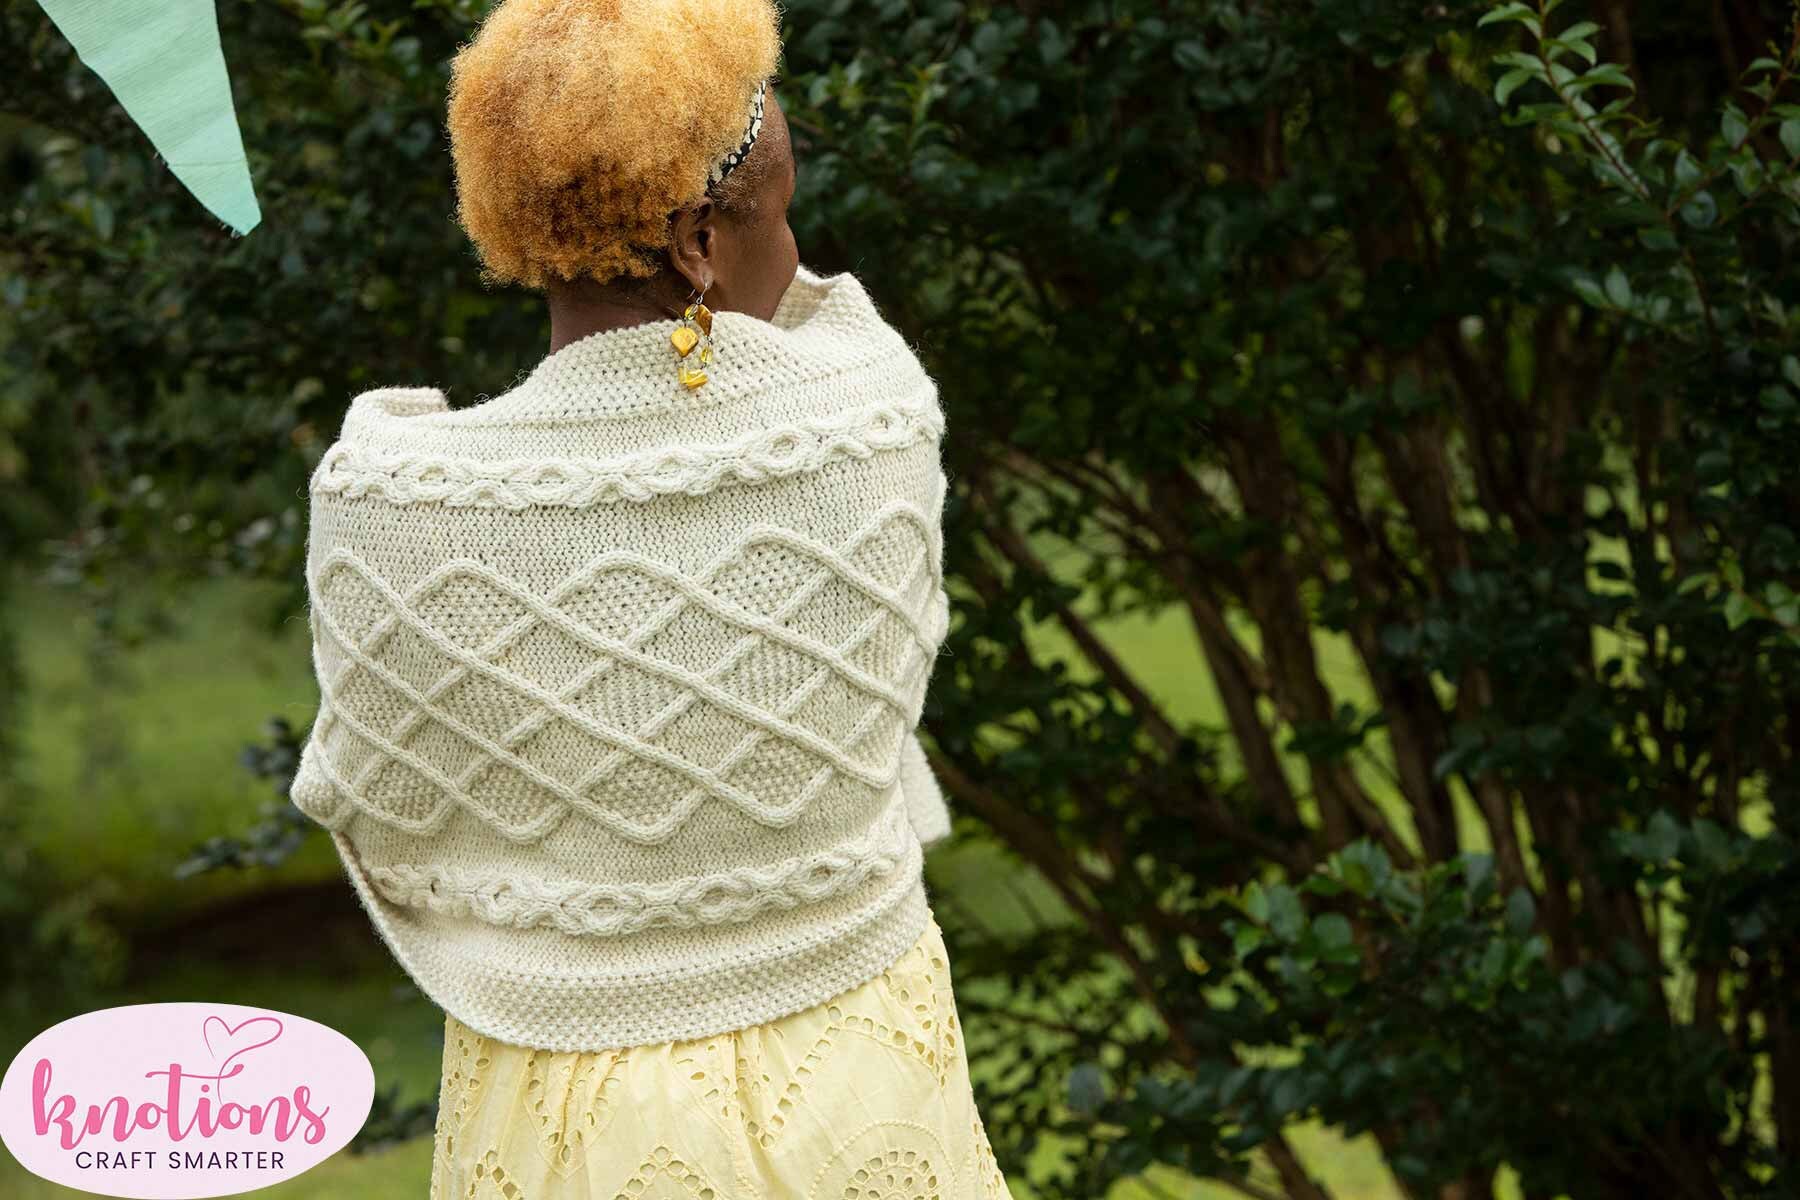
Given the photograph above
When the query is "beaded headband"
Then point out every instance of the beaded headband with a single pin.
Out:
(732, 159)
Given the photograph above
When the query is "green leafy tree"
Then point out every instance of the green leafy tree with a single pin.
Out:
(1436, 365)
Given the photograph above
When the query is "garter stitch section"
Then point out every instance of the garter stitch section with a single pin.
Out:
(619, 683)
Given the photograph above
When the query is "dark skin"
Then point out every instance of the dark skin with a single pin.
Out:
(736, 248)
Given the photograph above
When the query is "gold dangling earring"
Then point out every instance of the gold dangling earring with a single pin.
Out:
(694, 333)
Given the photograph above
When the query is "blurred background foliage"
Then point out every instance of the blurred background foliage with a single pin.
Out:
(1371, 703)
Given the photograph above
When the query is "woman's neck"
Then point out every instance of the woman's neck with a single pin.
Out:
(583, 307)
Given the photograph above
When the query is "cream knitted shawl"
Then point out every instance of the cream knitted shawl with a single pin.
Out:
(619, 682)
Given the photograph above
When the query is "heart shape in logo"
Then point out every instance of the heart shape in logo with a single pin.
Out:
(239, 1039)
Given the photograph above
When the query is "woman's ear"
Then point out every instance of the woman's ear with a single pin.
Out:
(693, 244)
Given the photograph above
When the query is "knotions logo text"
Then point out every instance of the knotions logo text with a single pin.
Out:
(182, 1100)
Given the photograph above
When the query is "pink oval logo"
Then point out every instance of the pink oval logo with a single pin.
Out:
(182, 1100)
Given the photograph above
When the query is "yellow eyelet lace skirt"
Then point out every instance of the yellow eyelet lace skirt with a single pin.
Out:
(863, 1097)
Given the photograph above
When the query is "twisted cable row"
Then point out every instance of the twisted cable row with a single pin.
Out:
(587, 909)
(694, 470)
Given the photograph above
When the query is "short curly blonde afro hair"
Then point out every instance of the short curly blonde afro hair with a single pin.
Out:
(578, 126)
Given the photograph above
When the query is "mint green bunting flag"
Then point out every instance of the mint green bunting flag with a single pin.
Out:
(162, 60)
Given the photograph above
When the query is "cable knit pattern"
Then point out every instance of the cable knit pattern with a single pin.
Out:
(619, 683)
(665, 471)
(733, 895)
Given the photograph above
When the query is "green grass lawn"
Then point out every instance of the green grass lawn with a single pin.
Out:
(127, 774)
(126, 771)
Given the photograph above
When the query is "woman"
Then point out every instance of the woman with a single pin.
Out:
(620, 671)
